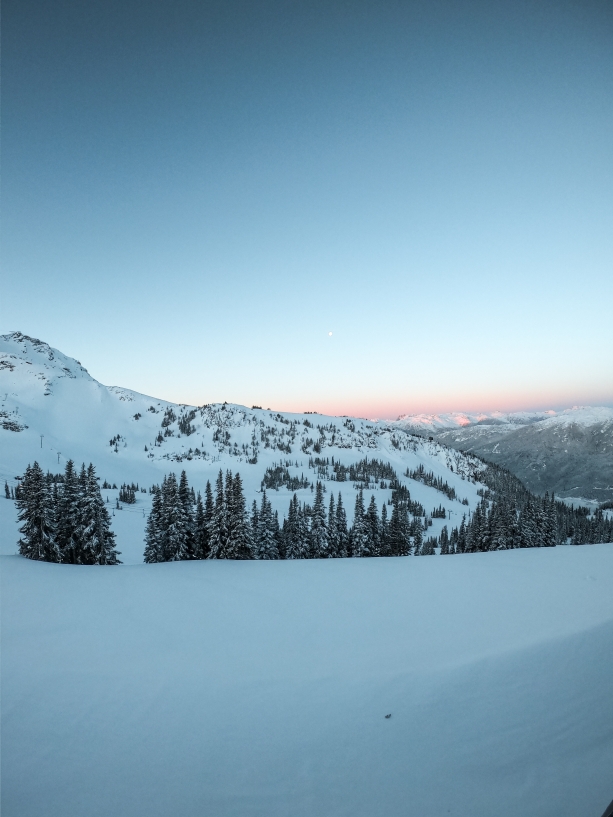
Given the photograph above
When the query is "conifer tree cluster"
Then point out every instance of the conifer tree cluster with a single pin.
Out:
(127, 494)
(319, 533)
(510, 516)
(182, 525)
(501, 524)
(65, 520)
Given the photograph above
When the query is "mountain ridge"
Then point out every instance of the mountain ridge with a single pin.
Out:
(569, 452)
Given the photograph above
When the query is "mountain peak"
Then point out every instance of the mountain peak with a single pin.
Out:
(17, 347)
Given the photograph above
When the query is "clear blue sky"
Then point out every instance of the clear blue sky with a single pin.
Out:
(195, 194)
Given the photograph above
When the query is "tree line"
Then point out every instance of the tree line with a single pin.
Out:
(184, 525)
(510, 516)
(64, 518)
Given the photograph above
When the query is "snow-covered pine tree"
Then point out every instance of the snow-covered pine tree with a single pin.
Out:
(332, 533)
(384, 537)
(255, 519)
(201, 534)
(240, 539)
(290, 528)
(496, 533)
(7, 490)
(175, 523)
(550, 525)
(96, 539)
(528, 526)
(279, 534)
(187, 500)
(400, 544)
(444, 541)
(360, 539)
(67, 516)
(154, 547)
(37, 514)
(218, 526)
(417, 534)
(293, 545)
(304, 530)
(342, 534)
(265, 541)
(209, 509)
(299, 545)
(473, 531)
(320, 542)
(461, 540)
(374, 527)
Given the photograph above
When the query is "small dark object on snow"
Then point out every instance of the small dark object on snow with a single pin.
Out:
(389, 716)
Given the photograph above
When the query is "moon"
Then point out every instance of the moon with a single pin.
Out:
(329, 334)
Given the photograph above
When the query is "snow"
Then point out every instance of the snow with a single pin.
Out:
(261, 688)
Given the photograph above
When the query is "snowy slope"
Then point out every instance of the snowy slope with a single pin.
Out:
(43, 392)
(260, 689)
(568, 452)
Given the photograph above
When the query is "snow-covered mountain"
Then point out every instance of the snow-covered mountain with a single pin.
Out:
(51, 410)
(569, 452)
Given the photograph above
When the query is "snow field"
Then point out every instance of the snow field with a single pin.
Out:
(261, 688)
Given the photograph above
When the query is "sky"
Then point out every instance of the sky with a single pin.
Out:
(366, 208)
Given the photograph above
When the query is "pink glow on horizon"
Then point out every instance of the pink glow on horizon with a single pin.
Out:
(391, 410)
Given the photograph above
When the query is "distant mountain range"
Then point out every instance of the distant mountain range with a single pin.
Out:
(569, 452)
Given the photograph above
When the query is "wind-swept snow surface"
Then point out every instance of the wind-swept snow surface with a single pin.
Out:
(244, 689)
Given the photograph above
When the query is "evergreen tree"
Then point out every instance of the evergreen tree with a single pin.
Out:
(444, 541)
(97, 541)
(209, 510)
(320, 542)
(360, 540)
(417, 534)
(240, 542)
(528, 526)
(201, 533)
(428, 547)
(384, 537)
(461, 540)
(67, 517)
(266, 543)
(154, 546)
(550, 524)
(36, 512)
(400, 544)
(296, 540)
(218, 526)
(7, 490)
(332, 532)
(187, 501)
(374, 527)
(342, 534)
(175, 523)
